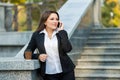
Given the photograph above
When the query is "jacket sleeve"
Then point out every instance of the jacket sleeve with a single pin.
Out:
(65, 43)
(31, 46)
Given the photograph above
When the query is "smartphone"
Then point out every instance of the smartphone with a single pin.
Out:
(58, 24)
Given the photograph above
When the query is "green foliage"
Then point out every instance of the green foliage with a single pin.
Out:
(35, 12)
(105, 16)
(3, 0)
(18, 1)
(37, 0)
(112, 4)
(107, 19)
(15, 1)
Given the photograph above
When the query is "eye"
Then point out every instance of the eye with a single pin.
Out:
(57, 19)
(51, 18)
(54, 19)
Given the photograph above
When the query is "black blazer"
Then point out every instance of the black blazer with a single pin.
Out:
(64, 46)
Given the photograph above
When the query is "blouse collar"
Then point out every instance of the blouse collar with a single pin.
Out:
(45, 32)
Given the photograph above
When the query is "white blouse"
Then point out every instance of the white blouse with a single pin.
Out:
(53, 64)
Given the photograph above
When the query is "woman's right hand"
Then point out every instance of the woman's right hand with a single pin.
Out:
(43, 57)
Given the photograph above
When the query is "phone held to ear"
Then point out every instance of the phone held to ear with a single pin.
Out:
(58, 24)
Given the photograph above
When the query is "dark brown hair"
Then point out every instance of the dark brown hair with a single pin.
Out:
(44, 18)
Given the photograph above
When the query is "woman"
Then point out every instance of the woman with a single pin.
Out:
(53, 44)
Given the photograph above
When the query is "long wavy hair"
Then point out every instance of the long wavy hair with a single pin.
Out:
(44, 18)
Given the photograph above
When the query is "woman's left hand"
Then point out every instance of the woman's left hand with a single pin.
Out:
(43, 57)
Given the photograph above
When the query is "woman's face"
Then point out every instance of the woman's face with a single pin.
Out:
(52, 21)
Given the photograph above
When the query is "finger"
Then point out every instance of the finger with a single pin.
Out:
(43, 60)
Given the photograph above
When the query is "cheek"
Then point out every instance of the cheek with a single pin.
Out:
(51, 25)
(48, 23)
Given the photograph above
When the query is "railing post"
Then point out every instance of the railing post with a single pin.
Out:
(8, 17)
(29, 17)
(2, 18)
(15, 18)
(97, 13)
(5, 17)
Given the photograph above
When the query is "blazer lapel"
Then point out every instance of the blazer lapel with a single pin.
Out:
(40, 43)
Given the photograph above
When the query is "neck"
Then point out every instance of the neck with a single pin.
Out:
(50, 32)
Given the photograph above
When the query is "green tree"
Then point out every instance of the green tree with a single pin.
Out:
(111, 13)
(14, 1)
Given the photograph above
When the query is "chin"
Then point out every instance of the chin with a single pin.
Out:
(54, 28)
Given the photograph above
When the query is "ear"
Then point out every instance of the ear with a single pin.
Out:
(45, 23)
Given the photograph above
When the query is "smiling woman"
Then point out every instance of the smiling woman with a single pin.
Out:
(53, 45)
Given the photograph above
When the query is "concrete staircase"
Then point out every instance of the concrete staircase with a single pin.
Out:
(100, 59)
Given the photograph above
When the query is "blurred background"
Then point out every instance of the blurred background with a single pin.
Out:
(110, 13)
(26, 13)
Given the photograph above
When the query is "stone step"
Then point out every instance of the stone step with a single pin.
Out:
(97, 76)
(91, 38)
(97, 62)
(98, 36)
(105, 32)
(100, 56)
(107, 43)
(103, 37)
(93, 78)
(97, 72)
(97, 69)
(117, 47)
(106, 29)
(89, 54)
(102, 48)
(90, 41)
(101, 52)
(103, 43)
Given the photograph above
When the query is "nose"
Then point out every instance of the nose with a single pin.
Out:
(56, 21)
